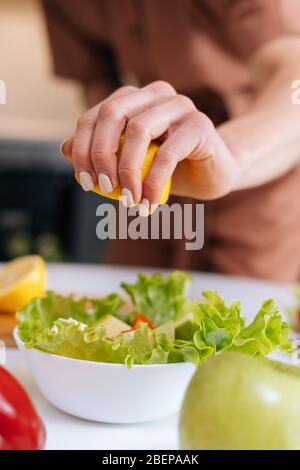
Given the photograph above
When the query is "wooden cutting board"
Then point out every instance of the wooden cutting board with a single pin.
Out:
(7, 324)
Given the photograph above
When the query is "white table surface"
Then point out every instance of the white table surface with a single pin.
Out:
(68, 432)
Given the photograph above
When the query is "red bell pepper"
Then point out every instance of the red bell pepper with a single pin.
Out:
(142, 319)
(20, 426)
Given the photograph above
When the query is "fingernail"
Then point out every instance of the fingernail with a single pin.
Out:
(153, 208)
(61, 148)
(144, 208)
(86, 181)
(127, 198)
(105, 184)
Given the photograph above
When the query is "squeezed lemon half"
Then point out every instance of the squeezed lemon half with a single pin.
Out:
(20, 281)
(152, 149)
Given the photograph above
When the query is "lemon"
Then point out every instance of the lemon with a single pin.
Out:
(152, 149)
(20, 281)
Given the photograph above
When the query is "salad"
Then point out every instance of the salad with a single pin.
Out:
(161, 324)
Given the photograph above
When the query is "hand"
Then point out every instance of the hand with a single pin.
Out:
(191, 150)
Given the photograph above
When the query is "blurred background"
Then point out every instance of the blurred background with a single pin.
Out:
(41, 209)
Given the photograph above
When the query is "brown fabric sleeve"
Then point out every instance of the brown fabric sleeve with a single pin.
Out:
(242, 26)
(75, 54)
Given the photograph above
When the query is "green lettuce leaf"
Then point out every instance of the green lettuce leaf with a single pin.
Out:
(160, 298)
(42, 313)
(74, 339)
(68, 326)
(265, 334)
(218, 327)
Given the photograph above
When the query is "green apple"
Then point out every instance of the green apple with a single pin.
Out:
(235, 401)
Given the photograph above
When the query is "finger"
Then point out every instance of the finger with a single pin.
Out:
(80, 146)
(112, 118)
(191, 137)
(160, 87)
(81, 149)
(211, 170)
(138, 135)
(66, 148)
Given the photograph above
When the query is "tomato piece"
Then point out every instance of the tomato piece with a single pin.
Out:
(142, 319)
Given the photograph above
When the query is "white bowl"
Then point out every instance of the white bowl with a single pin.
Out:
(106, 392)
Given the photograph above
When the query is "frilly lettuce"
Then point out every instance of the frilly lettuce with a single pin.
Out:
(218, 328)
(40, 314)
(160, 298)
(66, 326)
(74, 339)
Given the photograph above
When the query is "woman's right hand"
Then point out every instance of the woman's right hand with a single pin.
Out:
(191, 147)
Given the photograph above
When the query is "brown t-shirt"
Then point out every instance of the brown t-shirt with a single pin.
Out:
(201, 47)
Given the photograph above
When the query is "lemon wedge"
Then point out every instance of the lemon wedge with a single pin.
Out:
(152, 149)
(20, 281)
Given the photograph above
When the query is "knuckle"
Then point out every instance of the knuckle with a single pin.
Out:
(85, 120)
(79, 156)
(126, 172)
(128, 88)
(136, 128)
(108, 110)
(151, 185)
(165, 87)
(203, 120)
(98, 155)
(185, 101)
(166, 155)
